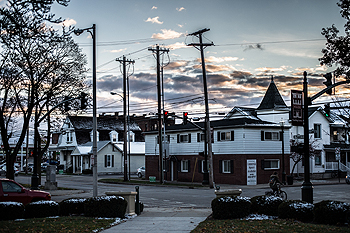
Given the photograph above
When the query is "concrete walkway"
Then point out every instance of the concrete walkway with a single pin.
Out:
(160, 220)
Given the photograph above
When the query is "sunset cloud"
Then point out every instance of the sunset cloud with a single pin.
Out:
(167, 34)
(177, 45)
(154, 8)
(180, 9)
(220, 59)
(154, 20)
(68, 22)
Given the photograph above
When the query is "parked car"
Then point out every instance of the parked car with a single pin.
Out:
(141, 172)
(10, 190)
(4, 170)
(30, 167)
(43, 166)
(347, 179)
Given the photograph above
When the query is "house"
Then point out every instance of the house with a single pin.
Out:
(339, 146)
(74, 144)
(245, 151)
(248, 145)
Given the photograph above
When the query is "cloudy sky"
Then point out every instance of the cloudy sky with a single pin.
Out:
(253, 40)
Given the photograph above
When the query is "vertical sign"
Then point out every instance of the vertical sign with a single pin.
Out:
(251, 172)
(297, 106)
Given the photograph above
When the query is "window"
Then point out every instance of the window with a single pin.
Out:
(226, 136)
(335, 135)
(10, 187)
(226, 166)
(269, 164)
(270, 136)
(202, 166)
(318, 158)
(184, 165)
(109, 161)
(69, 136)
(183, 138)
(317, 130)
(200, 137)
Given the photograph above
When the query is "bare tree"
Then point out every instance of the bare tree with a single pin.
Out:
(338, 46)
(41, 64)
(297, 154)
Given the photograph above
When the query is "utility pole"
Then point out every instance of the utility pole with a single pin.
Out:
(207, 142)
(125, 146)
(157, 50)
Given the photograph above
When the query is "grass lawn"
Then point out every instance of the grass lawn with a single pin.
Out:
(278, 225)
(61, 224)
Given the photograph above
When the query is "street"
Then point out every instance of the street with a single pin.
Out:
(183, 197)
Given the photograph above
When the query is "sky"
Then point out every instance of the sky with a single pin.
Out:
(253, 40)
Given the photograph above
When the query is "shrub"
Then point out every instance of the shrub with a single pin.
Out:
(41, 209)
(87, 171)
(300, 210)
(11, 210)
(331, 212)
(266, 205)
(230, 207)
(72, 206)
(108, 206)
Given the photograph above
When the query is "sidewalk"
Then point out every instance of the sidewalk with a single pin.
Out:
(159, 220)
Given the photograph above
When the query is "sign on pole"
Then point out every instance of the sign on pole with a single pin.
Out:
(337, 153)
(297, 106)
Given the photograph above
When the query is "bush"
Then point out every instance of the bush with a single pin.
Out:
(72, 206)
(300, 210)
(87, 171)
(331, 212)
(41, 209)
(230, 207)
(11, 210)
(266, 205)
(108, 206)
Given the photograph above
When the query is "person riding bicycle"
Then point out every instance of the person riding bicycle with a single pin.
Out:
(274, 182)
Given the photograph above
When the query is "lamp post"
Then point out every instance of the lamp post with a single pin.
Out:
(92, 31)
(307, 188)
(283, 165)
(126, 135)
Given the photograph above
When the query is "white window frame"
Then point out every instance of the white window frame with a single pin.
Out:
(109, 161)
(184, 165)
(317, 131)
(69, 136)
(225, 136)
(275, 136)
(203, 165)
(226, 166)
(271, 161)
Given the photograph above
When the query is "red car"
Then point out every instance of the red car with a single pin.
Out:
(10, 190)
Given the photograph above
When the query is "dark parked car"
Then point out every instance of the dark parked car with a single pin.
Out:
(347, 179)
(10, 190)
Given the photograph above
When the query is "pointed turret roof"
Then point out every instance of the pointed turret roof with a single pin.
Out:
(272, 98)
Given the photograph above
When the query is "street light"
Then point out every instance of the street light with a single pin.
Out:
(92, 31)
(126, 135)
(283, 166)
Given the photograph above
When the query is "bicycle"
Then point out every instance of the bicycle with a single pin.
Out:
(279, 193)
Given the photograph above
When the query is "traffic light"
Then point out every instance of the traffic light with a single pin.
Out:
(83, 100)
(328, 82)
(66, 104)
(327, 109)
(185, 117)
(166, 115)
